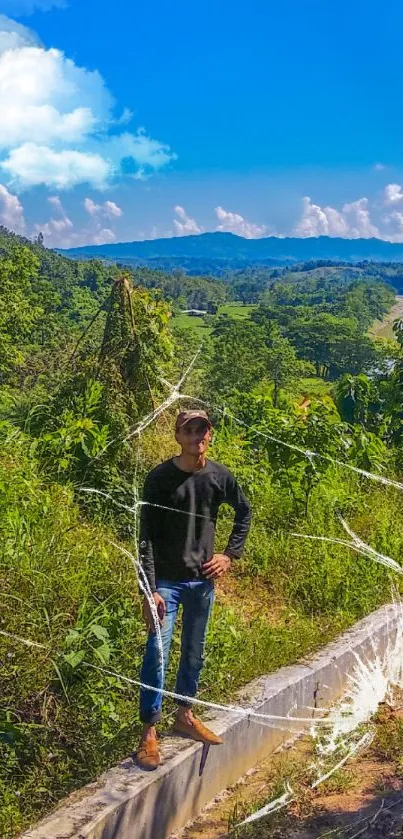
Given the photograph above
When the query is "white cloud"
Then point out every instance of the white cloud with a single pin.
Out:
(11, 211)
(104, 237)
(55, 119)
(26, 7)
(352, 222)
(393, 194)
(108, 209)
(31, 165)
(235, 223)
(360, 224)
(141, 154)
(111, 209)
(60, 232)
(394, 224)
(320, 221)
(379, 167)
(14, 35)
(55, 201)
(45, 97)
(91, 207)
(184, 225)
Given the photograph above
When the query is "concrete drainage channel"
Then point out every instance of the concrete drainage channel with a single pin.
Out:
(126, 803)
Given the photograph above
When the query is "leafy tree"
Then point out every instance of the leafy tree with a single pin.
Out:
(395, 393)
(358, 400)
(283, 366)
(135, 345)
(240, 357)
(18, 317)
(333, 344)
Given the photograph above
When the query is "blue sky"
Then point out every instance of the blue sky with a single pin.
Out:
(133, 120)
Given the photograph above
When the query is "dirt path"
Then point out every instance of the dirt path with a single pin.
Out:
(384, 328)
(363, 799)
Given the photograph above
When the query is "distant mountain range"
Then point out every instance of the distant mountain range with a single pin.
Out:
(228, 248)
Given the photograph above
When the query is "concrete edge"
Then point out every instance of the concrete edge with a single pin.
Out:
(126, 802)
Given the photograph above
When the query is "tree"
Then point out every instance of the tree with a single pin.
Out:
(239, 358)
(135, 345)
(283, 366)
(333, 344)
(358, 401)
(395, 393)
(18, 315)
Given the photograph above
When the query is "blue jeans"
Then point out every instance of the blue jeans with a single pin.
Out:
(196, 597)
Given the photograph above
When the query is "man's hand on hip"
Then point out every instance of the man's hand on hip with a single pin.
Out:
(147, 613)
(217, 566)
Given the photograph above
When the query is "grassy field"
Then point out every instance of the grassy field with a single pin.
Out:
(195, 323)
(235, 310)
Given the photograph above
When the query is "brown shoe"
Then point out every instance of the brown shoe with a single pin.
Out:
(196, 731)
(147, 755)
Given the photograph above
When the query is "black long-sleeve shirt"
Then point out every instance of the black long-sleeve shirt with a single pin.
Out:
(175, 545)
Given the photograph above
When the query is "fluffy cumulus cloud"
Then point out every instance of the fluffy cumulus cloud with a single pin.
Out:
(393, 194)
(184, 225)
(11, 211)
(59, 230)
(57, 119)
(30, 165)
(353, 221)
(358, 216)
(14, 35)
(394, 224)
(109, 209)
(235, 223)
(320, 221)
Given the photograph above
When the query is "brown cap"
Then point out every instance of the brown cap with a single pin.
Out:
(187, 416)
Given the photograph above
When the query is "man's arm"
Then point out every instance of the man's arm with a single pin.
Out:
(220, 563)
(146, 531)
(147, 523)
(235, 497)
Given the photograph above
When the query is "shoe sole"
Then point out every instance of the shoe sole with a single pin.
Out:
(147, 768)
(143, 766)
(188, 736)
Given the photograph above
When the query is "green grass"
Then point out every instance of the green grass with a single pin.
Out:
(313, 386)
(235, 310)
(195, 323)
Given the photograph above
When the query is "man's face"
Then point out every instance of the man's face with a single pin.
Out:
(194, 437)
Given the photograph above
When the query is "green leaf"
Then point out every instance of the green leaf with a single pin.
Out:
(72, 637)
(103, 653)
(74, 658)
(99, 632)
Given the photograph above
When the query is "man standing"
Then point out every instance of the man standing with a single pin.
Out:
(177, 554)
